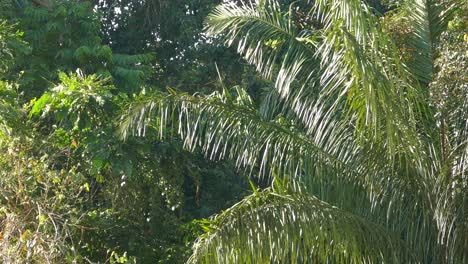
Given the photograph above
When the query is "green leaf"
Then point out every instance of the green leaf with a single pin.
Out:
(39, 105)
(285, 227)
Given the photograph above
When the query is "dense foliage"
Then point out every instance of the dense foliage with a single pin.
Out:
(235, 131)
(361, 127)
(71, 190)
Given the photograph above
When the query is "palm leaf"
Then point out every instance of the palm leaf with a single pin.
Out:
(351, 60)
(325, 158)
(268, 38)
(225, 126)
(428, 19)
(277, 226)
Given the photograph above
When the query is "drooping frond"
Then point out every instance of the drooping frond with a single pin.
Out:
(361, 64)
(350, 59)
(325, 157)
(345, 112)
(277, 226)
(428, 18)
(268, 38)
(227, 127)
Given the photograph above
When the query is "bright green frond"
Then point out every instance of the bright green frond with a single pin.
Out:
(275, 226)
(224, 127)
(361, 65)
(325, 157)
(351, 60)
(268, 38)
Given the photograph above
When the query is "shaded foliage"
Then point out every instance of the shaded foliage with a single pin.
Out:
(92, 198)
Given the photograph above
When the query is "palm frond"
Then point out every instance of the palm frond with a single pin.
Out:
(361, 64)
(351, 60)
(268, 38)
(325, 158)
(428, 18)
(277, 226)
(225, 126)
(362, 129)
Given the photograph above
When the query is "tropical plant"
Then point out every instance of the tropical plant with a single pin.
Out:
(174, 31)
(141, 199)
(367, 164)
(70, 190)
(64, 36)
(39, 204)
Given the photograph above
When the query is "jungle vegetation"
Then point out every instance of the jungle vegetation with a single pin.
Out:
(234, 131)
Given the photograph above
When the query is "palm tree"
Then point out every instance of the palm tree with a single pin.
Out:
(362, 168)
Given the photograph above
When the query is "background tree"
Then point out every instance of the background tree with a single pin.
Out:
(63, 124)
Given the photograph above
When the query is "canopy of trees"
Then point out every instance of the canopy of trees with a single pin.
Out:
(235, 131)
